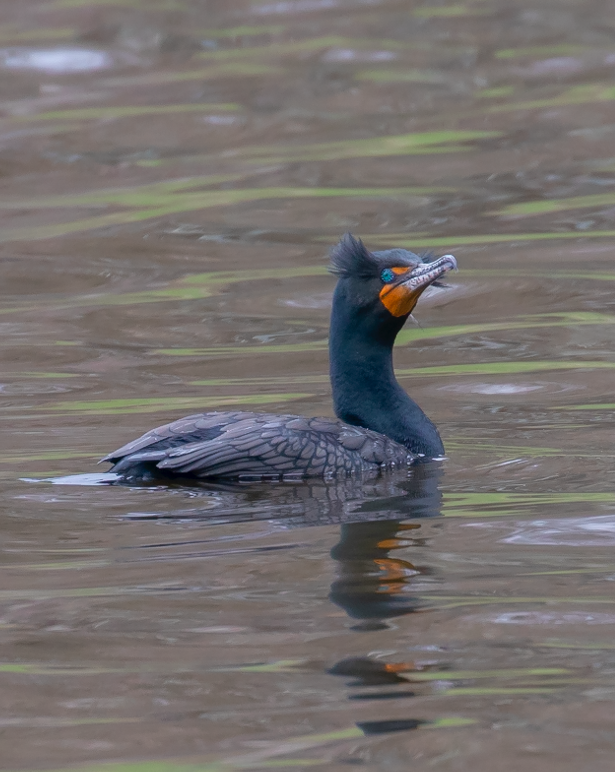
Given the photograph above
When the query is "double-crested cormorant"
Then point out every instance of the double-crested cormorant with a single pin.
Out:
(379, 426)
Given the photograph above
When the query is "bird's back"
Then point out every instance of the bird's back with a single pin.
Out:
(254, 446)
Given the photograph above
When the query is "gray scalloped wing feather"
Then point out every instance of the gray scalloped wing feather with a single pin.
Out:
(259, 445)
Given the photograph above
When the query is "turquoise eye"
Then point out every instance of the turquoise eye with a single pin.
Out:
(387, 275)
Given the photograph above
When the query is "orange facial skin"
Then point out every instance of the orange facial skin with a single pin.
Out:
(400, 299)
(401, 295)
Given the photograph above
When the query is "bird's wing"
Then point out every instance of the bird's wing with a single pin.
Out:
(253, 445)
(263, 445)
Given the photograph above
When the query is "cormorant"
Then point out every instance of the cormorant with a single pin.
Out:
(378, 426)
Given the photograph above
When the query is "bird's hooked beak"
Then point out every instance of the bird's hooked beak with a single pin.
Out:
(401, 296)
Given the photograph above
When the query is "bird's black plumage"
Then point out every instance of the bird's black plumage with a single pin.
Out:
(378, 425)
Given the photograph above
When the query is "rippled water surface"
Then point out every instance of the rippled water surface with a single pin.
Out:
(172, 176)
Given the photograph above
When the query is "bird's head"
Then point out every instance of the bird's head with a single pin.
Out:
(388, 283)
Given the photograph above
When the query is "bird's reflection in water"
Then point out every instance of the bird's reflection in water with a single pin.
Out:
(373, 584)
(391, 497)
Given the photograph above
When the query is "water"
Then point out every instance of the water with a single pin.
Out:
(173, 175)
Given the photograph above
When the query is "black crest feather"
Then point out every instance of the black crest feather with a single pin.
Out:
(351, 258)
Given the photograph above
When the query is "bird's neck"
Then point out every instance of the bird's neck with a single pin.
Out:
(366, 393)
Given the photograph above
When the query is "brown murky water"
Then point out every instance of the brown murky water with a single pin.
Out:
(172, 175)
